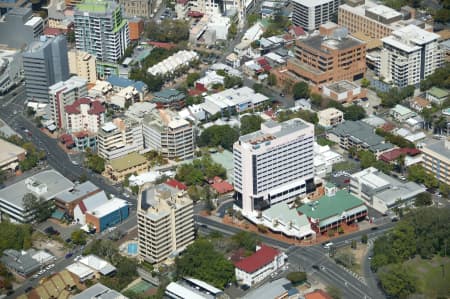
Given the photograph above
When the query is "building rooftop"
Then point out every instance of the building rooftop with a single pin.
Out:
(99, 291)
(157, 201)
(325, 44)
(318, 294)
(271, 130)
(361, 132)
(441, 148)
(410, 38)
(98, 264)
(47, 184)
(125, 82)
(272, 289)
(402, 110)
(263, 256)
(342, 86)
(162, 119)
(384, 11)
(283, 213)
(438, 92)
(21, 262)
(331, 206)
(127, 161)
(96, 6)
(311, 3)
(78, 191)
(80, 270)
(9, 152)
(108, 207)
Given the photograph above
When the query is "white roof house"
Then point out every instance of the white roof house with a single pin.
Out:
(172, 63)
(98, 264)
(89, 204)
(80, 270)
(241, 99)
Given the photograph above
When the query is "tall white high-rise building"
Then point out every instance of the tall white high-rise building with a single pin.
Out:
(165, 222)
(310, 14)
(101, 30)
(274, 164)
(409, 55)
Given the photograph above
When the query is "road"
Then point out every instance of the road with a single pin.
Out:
(307, 257)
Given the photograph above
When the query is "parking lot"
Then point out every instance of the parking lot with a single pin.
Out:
(63, 230)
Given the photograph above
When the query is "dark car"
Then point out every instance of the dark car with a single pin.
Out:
(68, 240)
(28, 289)
(69, 255)
(364, 99)
(245, 287)
(315, 267)
(374, 228)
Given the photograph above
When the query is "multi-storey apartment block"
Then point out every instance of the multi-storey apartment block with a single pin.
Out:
(436, 160)
(310, 14)
(166, 132)
(65, 93)
(165, 222)
(119, 137)
(84, 115)
(409, 55)
(101, 30)
(274, 164)
(83, 65)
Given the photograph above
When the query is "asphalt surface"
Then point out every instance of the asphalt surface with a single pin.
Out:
(306, 257)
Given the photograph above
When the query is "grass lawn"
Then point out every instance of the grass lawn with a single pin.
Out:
(431, 280)
(346, 165)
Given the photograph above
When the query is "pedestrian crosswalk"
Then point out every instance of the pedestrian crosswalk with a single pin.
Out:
(354, 274)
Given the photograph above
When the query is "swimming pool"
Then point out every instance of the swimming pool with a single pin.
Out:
(132, 248)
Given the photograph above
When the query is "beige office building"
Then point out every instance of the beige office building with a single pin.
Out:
(166, 132)
(82, 64)
(436, 160)
(165, 222)
(119, 138)
(330, 117)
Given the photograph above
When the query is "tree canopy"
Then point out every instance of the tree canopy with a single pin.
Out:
(14, 236)
(423, 199)
(250, 124)
(200, 260)
(397, 281)
(300, 90)
(296, 277)
(95, 162)
(395, 139)
(200, 169)
(440, 77)
(246, 240)
(173, 31)
(306, 115)
(422, 231)
(41, 208)
(395, 95)
(418, 174)
(223, 136)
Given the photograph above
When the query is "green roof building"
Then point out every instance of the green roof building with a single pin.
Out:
(101, 30)
(437, 95)
(332, 209)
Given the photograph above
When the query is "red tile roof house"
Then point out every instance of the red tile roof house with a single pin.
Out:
(259, 265)
(221, 186)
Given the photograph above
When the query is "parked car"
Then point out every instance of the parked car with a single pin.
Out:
(69, 255)
(28, 289)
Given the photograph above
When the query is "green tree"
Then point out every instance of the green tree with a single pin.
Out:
(396, 281)
(246, 240)
(250, 124)
(41, 208)
(444, 189)
(232, 31)
(200, 260)
(345, 258)
(272, 80)
(258, 87)
(418, 174)
(354, 112)
(297, 277)
(300, 90)
(252, 19)
(365, 83)
(334, 292)
(14, 236)
(95, 162)
(78, 237)
(423, 199)
(191, 78)
(216, 135)
(232, 81)
(174, 31)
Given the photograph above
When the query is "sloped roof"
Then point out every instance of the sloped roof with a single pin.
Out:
(259, 259)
